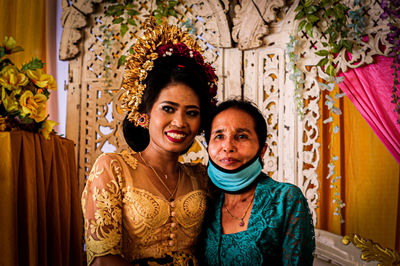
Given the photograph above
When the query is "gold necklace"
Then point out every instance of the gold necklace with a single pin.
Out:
(171, 194)
(241, 219)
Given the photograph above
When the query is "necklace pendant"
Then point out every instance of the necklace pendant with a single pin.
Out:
(241, 223)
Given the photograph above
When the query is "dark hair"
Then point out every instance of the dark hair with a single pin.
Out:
(248, 107)
(168, 70)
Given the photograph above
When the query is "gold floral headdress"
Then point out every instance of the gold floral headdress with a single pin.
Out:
(158, 40)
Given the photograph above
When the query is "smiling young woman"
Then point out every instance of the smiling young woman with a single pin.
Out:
(142, 206)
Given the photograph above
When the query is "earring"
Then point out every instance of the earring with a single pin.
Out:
(143, 121)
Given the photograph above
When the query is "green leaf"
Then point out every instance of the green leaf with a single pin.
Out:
(311, 10)
(348, 45)
(322, 53)
(132, 22)
(308, 3)
(172, 13)
(323, 62)
(114, 10)
(2, 51)
(300, 15)
(325, 44)
(298, 8)
(330, 70)
(118, 20)
(309, 29)
(131, 51)
(329, 12)
(119, 13)
(171, 4)
(332, 36)
(133, 12)
(123, 29)
(325, 3)
(121, 60)
(312, 18)
(35, 63)
(301, 25)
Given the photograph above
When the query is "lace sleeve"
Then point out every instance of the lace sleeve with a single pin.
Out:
(101, 205)
(299, 239)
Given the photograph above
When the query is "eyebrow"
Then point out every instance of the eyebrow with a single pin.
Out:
(176, 104)
(239, 130)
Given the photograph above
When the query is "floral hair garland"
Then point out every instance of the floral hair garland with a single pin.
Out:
(158, 40)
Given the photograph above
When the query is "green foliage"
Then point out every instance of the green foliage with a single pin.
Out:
(124, 13)
(340, 35)
(165, 8)
(35, 63)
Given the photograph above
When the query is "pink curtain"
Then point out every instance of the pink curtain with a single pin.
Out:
(369, 88)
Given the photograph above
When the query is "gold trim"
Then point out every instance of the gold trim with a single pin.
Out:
(371, 251)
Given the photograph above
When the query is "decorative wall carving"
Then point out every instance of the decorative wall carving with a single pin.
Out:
(250, 23)
(73, 19)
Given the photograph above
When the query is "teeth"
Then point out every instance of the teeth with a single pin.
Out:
(175, 135)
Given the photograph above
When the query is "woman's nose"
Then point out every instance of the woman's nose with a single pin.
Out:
(178, 120)
(228, 145)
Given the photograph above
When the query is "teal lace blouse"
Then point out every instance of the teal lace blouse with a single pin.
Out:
(280, 230)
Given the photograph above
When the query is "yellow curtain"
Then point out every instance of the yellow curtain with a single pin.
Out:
(25, 20)
(369, 184)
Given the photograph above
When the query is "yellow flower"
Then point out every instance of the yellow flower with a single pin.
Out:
(48, 128)
(41, 79)
(10, 44)
(34, 105)
(9, 102)
(12, 79)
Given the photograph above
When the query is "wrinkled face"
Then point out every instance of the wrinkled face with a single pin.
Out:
(233, 139)
(174, 118)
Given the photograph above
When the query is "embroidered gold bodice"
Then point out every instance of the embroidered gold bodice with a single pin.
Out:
(126, 213)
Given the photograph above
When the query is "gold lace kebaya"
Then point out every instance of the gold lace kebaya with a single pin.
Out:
(126, 214)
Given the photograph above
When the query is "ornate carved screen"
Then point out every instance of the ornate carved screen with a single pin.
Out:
(250, 59)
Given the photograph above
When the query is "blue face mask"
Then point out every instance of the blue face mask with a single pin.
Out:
(235, 180)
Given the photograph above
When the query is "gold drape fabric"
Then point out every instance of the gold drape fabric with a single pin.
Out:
(369, 184)
(41, 222)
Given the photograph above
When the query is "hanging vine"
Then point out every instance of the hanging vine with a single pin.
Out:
(344, 28)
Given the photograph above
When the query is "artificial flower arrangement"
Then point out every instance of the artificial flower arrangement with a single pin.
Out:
(24, 93)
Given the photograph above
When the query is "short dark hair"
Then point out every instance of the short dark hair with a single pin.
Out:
(169, 70)
(245, 106)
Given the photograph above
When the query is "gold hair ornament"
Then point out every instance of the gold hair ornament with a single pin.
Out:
(158, 40)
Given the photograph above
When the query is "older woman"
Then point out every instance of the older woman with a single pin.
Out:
(255, 220)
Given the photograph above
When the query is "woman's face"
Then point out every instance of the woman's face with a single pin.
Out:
(174, 118)
(233, 140)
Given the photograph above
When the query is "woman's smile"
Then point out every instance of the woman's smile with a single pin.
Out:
(174, 119)
(176, 135)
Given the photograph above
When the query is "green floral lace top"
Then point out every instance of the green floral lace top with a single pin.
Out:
(280, 230)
